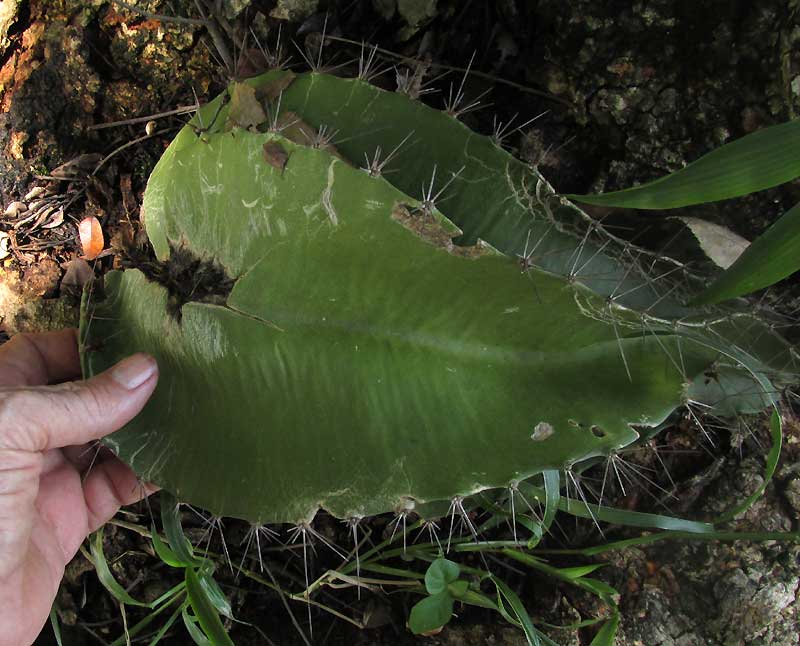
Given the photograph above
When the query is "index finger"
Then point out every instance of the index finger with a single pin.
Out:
(38, 359)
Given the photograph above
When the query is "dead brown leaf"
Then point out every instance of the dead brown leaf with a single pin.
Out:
(80, 166)
(91, 235)
(245, 110)
(56, 219)
(720, 244)
(272, 90)
(128, 198)
(77, 273)
(275, 155)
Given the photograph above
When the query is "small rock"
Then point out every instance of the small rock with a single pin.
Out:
(792, 494)
(294, 10)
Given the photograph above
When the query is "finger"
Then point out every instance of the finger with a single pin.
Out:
(48, 417)
(86, 455)
(38, 359)
(108, 487)
(60, 505)
(19, 482)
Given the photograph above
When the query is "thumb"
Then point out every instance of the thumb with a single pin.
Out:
(49, 417)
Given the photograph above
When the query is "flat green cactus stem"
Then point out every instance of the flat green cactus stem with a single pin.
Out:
(369, 347)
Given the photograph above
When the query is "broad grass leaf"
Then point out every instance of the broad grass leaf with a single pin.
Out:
(766, 158)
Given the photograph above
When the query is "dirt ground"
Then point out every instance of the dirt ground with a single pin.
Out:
(627, 91)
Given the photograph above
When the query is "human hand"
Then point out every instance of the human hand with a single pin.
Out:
(47, 506)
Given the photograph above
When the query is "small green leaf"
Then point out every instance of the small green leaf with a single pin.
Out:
(205, 611)
(194, 632)
(771, 257)
(458, 588)
(104, 572)
(766, 158)
(431, 613)
(607, 634)
(164, 552)
(440, 573)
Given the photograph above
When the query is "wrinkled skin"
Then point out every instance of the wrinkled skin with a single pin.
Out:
(48, 500)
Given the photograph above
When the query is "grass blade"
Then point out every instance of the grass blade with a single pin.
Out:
(580, 570)
(520, 614)
(194, 632)
(760, 160)
(215, 594)
(596, 587)
(633, 518)
(205, 611)
(104, 573)
(168, 624)
(144, 623)
(56, 626)
(551, 496)
(649, 539)
(770, 258)
(776, 431)
(607, 634)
